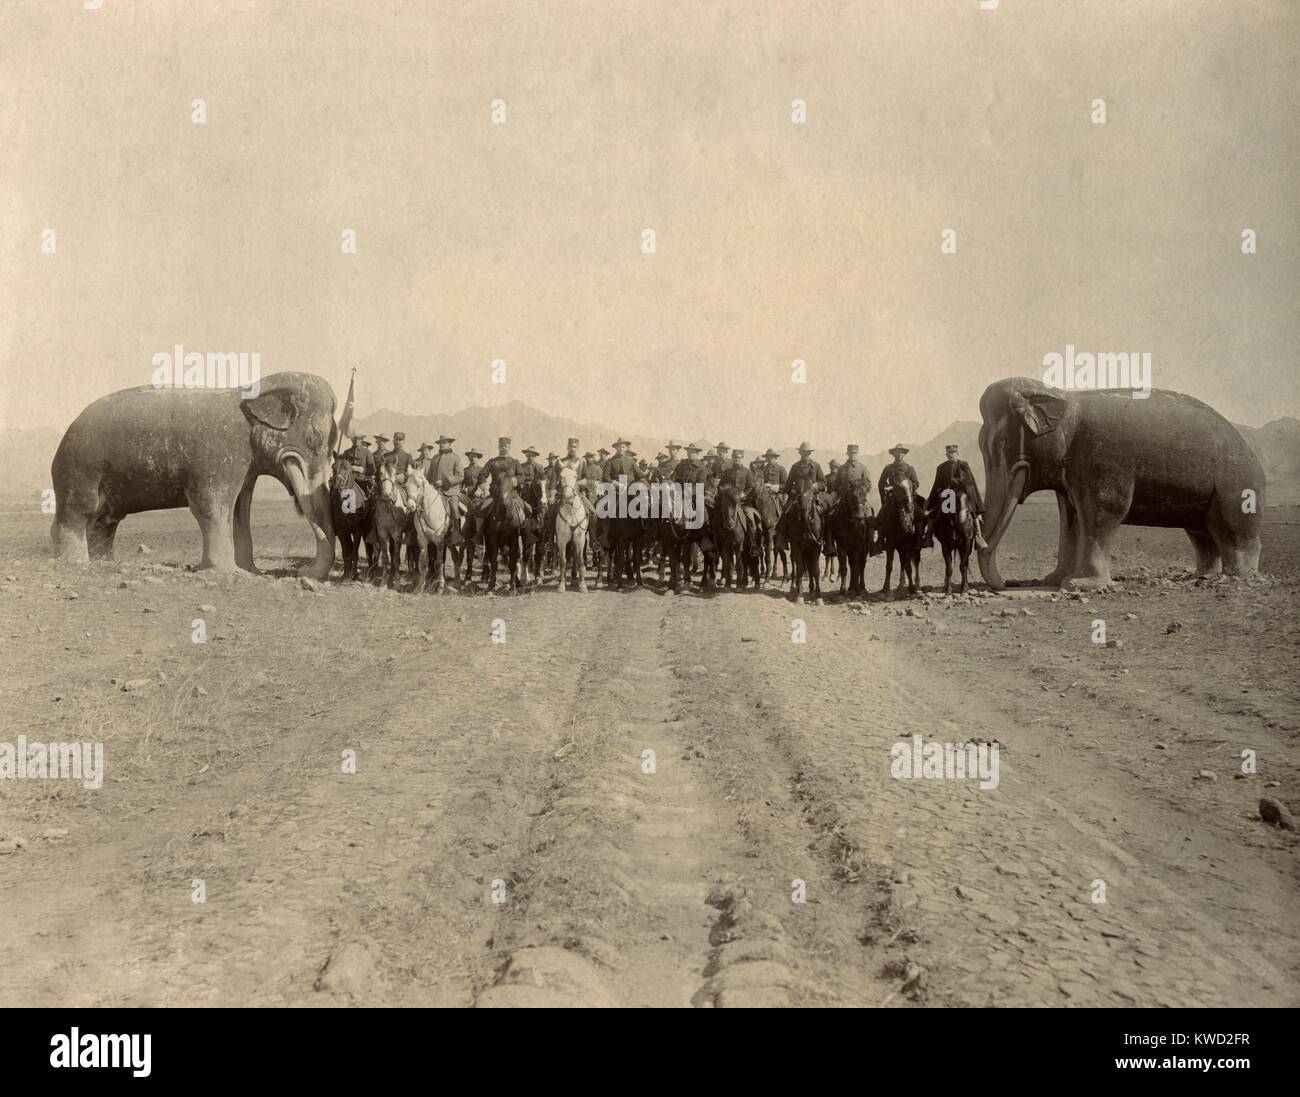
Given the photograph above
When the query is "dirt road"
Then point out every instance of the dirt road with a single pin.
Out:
(507, 838)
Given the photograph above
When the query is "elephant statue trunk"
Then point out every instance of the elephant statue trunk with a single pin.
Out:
(313, 497)
(1004, 493)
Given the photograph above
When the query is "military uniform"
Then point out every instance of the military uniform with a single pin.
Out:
(774, 475)
(690, 470)
(471, 476)
(401, 460)
(851, 473)
(623, 465)
(958, 476)
(898, 473)
(445, 472)
(499, 469)
(804, 472)
(361, 460)
(741, 480)
(530, 471)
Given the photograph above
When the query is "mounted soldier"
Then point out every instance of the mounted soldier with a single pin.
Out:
(805, 473)
(381, 451)
(470, 483)
(673, 458)
(358, 455)
(421, 462)
(445, 472)
(531, 470)
(503, 472)
(774, 472)
(401, 459)
(740, 477)
(955, 474)
(717, 462)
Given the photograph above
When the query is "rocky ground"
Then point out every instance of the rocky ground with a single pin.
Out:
(638, 799)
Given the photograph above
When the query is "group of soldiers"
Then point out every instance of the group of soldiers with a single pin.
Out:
(460, 481)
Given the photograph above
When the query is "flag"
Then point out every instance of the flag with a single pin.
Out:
(345, 422)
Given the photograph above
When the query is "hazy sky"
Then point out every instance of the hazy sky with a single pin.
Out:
(775, 241)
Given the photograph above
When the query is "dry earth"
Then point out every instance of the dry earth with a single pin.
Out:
(502, 844)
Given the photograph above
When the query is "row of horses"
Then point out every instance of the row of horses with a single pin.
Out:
(539, 528)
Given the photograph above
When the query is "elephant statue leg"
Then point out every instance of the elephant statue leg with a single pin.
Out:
(1238, 546)
(75, 509)
(100, 532)
(1096, 520)
(1208, 560)
(215, 517)
(244, 527)
(1067, 547)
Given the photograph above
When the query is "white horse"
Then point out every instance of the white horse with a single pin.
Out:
(432, 526)
(571, 523)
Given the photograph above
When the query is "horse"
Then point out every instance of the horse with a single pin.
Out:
(625, 536)
(956, 532)
(771, 546)
(572, 523)
(681, 538)
(394, 526)
(536, 529)
(805, 524)
(351, 507)
(902, 529)
(853, 523)
(431, 523)
(503, 528)
(731, 536)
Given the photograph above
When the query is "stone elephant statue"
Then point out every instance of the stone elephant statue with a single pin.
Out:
(1165, 460)
(153, 448)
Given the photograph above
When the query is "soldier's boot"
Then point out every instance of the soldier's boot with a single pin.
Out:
(980, 543)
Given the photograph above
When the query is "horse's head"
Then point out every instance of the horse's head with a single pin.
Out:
(568, 483)
(504, 487)
(855, 500)
(413, 489)
(901, 496)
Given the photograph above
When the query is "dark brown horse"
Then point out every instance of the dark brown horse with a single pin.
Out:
(806, 527)
(770, 546)
(853, 524)
(902, 530)
(503, 530)
(626, 535)
(351, 506)
(394, 527)
(954, 525)
(732, 537)
(539, 531)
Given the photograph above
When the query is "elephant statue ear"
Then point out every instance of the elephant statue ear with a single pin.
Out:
(1039, 411)
(276, 409)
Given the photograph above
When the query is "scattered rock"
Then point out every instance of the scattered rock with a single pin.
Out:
(349, 970)
(308, 584)
(1162, 746)
(132, 685)
(9, 845)
(1012, 868)
(205, 608)
(1114, 643)
(1275, 812)
(1173, 626)
(53, 834)
(1207, 775)
(143, 549)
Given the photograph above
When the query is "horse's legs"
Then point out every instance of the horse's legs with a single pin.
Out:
(947, 568)
(889, 571)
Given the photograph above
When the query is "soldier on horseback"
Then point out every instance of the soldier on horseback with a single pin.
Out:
(740, 477)
(358, 455)
(503, 470)
(446, 474)
(955, 474)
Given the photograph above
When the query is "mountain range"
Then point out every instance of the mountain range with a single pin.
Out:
(26, 454)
